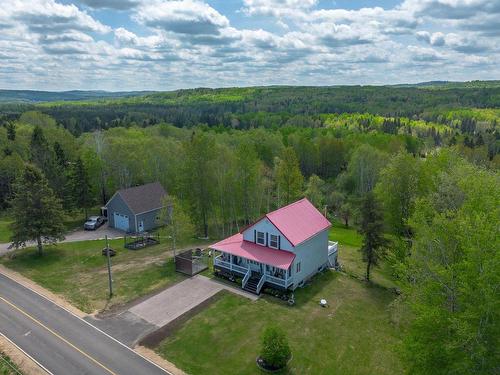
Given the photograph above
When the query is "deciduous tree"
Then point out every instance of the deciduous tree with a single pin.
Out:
(289, 179)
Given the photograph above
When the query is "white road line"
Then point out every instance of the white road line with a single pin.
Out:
(96, 328)
(26, 354)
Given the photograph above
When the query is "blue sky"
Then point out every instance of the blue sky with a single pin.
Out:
(171, 44)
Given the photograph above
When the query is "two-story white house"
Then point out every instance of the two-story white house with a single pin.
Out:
(282, 249)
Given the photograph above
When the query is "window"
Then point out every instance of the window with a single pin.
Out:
(261, 238)
(273, 241)
(297, 268)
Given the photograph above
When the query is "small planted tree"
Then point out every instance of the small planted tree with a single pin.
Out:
(38, 214)
(178, 224)
(275, 351)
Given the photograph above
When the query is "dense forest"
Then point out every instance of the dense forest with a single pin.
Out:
(429, 156)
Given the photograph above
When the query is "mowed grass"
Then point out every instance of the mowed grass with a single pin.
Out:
(78, 272)
(353, 335)
(351, 259)
(5, 231)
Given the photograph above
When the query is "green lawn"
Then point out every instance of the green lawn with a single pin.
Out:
(5, 229)
(345, 236)
(78, 271)
(354, 335)
(350, 256)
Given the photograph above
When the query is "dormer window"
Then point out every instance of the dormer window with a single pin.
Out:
(273, 241)
(261, 238)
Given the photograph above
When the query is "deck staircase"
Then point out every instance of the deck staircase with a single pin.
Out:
(251, 285)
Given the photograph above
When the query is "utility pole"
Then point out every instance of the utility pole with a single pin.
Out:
(108, 256)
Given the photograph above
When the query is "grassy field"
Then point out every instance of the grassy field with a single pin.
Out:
(78, 271)
(350, 256)
(5, 229)
(355, 334)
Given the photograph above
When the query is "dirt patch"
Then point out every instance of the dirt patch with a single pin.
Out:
(30, 284)
(160, 361)
(22, 361)
(136, 264)
(153, 339)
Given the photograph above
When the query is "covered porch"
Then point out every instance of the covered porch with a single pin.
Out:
(255, 264)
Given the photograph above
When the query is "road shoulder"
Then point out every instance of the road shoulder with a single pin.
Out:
(25, 363)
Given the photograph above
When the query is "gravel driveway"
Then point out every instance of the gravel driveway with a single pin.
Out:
(78, 235)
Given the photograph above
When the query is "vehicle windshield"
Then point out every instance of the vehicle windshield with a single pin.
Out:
(92, 219)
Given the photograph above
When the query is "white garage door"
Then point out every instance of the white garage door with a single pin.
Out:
(121, 221)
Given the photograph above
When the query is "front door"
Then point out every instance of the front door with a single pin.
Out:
(141, 226)
(255, 266)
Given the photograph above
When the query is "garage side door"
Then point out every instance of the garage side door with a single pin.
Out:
(121, 221)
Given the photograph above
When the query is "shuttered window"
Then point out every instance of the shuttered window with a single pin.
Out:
(273, 241)
(261, 238)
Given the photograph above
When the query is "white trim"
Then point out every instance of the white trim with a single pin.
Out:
(154, 209)
(27, 355)
(263, 243)
(277, 241)
(91, 325)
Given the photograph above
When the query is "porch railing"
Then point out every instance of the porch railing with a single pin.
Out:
(245, 279)
(276, 280)
(230, 266)
(261, 283)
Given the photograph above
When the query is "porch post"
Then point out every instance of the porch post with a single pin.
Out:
(231, 262)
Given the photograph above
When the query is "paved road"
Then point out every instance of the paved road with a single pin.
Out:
(61, 342)
(78, 235)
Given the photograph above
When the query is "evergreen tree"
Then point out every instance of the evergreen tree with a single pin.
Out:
(11, 131)
(36, 211)
(80, 191)
(288, 176)
(60, 155)
(372, 227)
(40, 152)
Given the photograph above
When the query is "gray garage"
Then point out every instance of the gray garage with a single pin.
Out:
(136, 209)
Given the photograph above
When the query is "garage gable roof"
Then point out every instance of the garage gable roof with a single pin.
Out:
(143, 198)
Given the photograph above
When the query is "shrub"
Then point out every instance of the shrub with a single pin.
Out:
(275, 349)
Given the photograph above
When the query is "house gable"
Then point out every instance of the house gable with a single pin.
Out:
(265, 226)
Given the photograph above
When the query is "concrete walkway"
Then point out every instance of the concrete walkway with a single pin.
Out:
(177, 300)
(75, 236)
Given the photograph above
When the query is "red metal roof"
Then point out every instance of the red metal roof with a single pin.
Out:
(236, 245)
(298, 221)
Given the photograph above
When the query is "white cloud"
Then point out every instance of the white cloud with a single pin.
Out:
(277, 8)
(48, 16)
(169, 44)
(183, 17)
